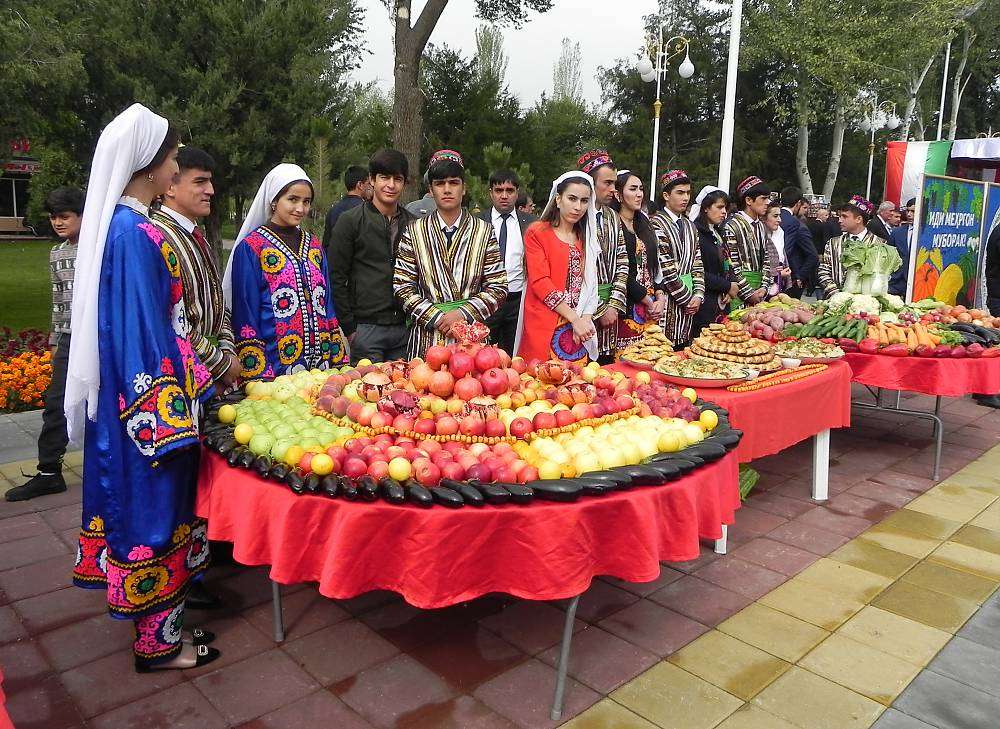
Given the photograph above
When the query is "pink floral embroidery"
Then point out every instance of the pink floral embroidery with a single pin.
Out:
(121, 402)
(166, 366)
(248, 332)
(152, 232)
(140, 552)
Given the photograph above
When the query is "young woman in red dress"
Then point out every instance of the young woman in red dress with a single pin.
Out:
(560, 295)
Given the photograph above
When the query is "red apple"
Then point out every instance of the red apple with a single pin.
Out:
(355, 445)
(581, 411)
(564, 418)
(453, 446)
(381, 420)
(425, 426)
(366, 414)
(354, 467)
(473, 425)
(505, 474)
(519, 364)
(543, 421)
(526, 474)
(426, 473)
(447, 426)
(378, 469)
(624, 402)
(597, 410)
(495, 428)
(403, 423)
(354, 411)
(453, 470)
(479, 472)
(520, 427)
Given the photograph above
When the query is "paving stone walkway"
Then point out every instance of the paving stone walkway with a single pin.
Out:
(820, 617)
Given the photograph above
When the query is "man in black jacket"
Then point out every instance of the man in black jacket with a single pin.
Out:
(358, 190)
(509, 226)
(799, 250)
(361, 259)
(881, 225)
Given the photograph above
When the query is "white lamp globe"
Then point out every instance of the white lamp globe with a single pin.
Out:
(644, 67)
(686, 69)
(893, 122)
(648, 76)
(866, 125)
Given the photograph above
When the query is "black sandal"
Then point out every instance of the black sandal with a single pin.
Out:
(200, 636)
(205, 656)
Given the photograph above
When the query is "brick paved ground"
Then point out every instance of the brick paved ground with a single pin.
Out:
(781, 632)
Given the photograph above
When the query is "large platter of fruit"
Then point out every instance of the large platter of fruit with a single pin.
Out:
(466, 426)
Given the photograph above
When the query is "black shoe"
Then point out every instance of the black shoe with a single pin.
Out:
(41, 484)
(199, 598)
(200, 636)
(205, 656)
(988, 401)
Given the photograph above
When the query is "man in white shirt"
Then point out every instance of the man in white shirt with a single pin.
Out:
(509, 225)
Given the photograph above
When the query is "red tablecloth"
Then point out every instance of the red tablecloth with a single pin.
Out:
(775, 418)
(438, 557)
(926, 375)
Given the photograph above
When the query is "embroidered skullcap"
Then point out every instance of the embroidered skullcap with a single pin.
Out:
(590, 161)
(864, 207)
(443, 155)
(672, 176)
(752, 186)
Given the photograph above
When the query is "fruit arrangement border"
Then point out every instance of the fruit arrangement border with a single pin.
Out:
(656, 471)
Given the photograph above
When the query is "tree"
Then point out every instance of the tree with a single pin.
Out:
(491, 60)
(321, 132)
(566, 72)
(409, 43)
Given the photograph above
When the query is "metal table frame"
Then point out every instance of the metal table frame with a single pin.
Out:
(935, 418)
(820, 480)
(561, 667)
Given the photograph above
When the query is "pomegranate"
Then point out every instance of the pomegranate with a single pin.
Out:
(513, 378)
(485, 407)
(468, 387)
(520, 427)
(494, 381)
(487, 358)
(519, 364)
(374, 385)
(421, 375)
(504, 358)
(447, 425)
(425, 426)
(461, 364)
(473, 424)
(564, 418)
(495, 429)
(437, 356)
(544, 421)
(399, 402)
(442, 383)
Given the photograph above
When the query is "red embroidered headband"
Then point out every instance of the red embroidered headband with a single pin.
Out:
(590, 161)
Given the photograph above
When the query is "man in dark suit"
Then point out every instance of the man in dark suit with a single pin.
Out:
(799, 250)
(881, 225)
(900, 238)
(359, 189)
(509, 225)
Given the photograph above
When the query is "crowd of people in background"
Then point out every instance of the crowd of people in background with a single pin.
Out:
(158, 325)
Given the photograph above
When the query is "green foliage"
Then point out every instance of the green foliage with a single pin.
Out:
(57, 168)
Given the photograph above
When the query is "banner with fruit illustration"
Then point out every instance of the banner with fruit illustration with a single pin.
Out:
(945, 260)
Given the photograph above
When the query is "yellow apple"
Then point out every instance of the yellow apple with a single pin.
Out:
(227, 414)
(586, 462)
(689, 393)
(643, 377)
(693, 434)
(708, 419)
(243, 433)
(669, 442)
(549, 469)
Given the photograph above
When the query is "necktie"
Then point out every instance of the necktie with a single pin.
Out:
(600, 217)
(200, 237)
(504, 217)
(449, 233)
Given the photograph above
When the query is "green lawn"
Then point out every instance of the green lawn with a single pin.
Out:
(25, 288)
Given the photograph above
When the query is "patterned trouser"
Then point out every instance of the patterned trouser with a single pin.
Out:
(158, 636)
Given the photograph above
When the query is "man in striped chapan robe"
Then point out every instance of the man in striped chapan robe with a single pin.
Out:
(612, 268)
(448, 265)
(680, 257)
(753, 259)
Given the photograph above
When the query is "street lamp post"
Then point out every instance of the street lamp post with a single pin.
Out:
(648, 72)
(729, 107)
(878, 116)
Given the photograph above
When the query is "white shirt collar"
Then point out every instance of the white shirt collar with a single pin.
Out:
(498, 216)
(444, 226)
(130, 202)
(182, 220)
(670, 214)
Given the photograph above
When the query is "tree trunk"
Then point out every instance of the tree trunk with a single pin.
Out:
(836, 148)
(408, 100)
(911, 103)
(802, 148)
(956, 84)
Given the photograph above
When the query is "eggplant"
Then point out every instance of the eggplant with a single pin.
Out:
(986, 333)
(615, 479)
(227, 447)
(706, 451)
(446, 497)
(367, 488)
(311, 484)
(262, 465)
(418, 495)
(233, 456)
(470, 495)
(668, 470)
(278, 471)
(295, 482)
(233, 397)
(730, 438)
(592, 486)
(685, 464)
(557, 489)
(390, 490)
(328, 485)
(245, 459)
(520, 493)
(348, 489)
(493, 493)
(641, 475)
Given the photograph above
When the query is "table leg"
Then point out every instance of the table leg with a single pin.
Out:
(821, 466)
(722, 543)
(936, 422)
(279, 625)
(938, 438)
(563, 665)
(937, 406)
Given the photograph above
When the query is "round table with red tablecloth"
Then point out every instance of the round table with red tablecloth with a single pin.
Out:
(944, 377)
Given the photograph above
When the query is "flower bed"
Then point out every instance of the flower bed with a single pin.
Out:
(25, 369)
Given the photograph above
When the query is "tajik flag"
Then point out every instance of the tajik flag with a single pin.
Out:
(905, 162)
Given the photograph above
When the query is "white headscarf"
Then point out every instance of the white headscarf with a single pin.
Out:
(260, 212)
(702, 194)
(127, 144)
(588, 295)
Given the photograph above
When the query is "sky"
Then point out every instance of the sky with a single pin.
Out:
(606, 30)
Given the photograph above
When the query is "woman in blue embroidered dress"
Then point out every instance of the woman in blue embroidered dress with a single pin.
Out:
(276, 284)
(135, 386)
